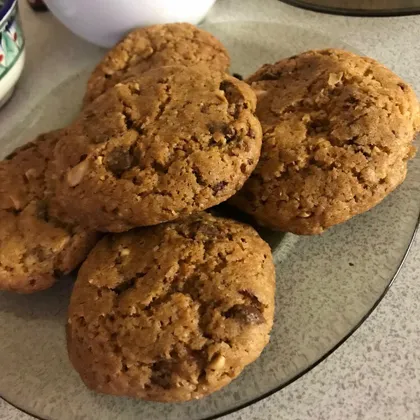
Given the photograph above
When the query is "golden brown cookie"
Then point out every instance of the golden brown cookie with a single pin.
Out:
(172, 312)
(35, 245)
(173, 142)
(337, 134)
(156, 46)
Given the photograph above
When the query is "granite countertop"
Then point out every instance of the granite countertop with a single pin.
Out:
(375, 374)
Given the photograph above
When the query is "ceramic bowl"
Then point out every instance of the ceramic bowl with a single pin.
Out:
(105, 22)
(12, 49)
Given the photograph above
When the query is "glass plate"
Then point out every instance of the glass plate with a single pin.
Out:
(326, 285)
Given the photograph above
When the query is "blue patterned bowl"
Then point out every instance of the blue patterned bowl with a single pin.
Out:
(12, 49)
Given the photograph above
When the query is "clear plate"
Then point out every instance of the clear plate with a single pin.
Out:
(326, 285)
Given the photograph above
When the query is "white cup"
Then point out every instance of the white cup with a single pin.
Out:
(105, 22)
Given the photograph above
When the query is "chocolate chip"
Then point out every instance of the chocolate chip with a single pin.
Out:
(193, 229)
(119, 160)
(317, 126)
(238, 76)
(158, 167)
(125, 285)
(270, 76)
(221, 130)
(246, 313)
(224, 85)
(216, 127)
(250, 297)
(198, 176)
(39, 253)
(219, 186)
(352, 100)
(232, 93)
(42, 210)
(210, 231)
(197, 227)
(161, 374)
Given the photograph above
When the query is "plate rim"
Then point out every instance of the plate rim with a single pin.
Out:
(331, 10)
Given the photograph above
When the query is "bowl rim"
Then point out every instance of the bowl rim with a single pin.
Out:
(7, 7)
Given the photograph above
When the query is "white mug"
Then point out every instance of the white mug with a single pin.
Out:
(105, 22)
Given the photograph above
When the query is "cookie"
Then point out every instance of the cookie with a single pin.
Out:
(170, 143)
(156, 46)
(337, 135)
(172, 312)
(36, 246)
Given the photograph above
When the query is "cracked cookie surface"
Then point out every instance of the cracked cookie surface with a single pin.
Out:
(337, 134)
(170, 143)
(156, 46)
(35, 245)
(172, 312)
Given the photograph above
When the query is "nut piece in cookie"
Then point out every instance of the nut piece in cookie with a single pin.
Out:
(337, 135)
(156, 46)
(36, 245)
(172, 312)
(173, 142)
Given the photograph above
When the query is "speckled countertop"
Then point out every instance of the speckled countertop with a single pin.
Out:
(376, 373)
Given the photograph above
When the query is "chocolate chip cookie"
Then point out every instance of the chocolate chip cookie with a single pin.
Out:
(36, 246)
(172, 312)
(337, 135)
(156, 46)
(170, 143)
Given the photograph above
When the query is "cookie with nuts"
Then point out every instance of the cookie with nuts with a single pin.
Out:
(168, 144)
(156, 46)
(36, 245)
(337, 135)
(172, 312)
